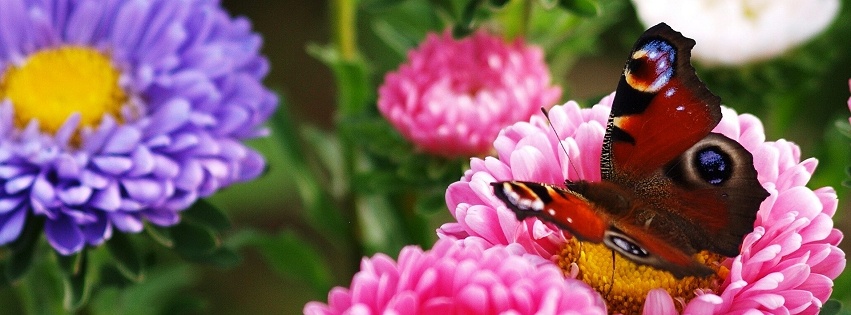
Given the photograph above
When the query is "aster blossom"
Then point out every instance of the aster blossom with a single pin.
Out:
(452, 97)
(146, 105)
(459, 277)
(786, 264)
(732, 32)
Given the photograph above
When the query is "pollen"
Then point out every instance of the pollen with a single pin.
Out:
(53, 84)
(624, 284)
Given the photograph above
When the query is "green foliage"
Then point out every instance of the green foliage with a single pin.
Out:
(290, 256)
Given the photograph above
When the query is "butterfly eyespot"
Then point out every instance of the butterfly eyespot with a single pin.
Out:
(651, 66)
(714, 165)
(628, 247)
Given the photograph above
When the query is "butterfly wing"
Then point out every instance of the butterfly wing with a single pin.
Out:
(701, 187)
(660, 109)
(589, 222)
(564, 208)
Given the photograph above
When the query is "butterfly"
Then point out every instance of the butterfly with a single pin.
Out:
(670, 187)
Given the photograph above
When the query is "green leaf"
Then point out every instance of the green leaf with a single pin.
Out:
(498, 3)
(111, 276)
(164, 287)
(71, 264)
(587, 8)
(160, 235)
(222, 257)
(379, 4)
(382, 227)
(74, 270)
(326, 147)
(23, 249)
(291, 256)
(204, 213)
(320, 210)
(377, 136)
(467, 21)
(352, 80)
(831, 307)
(126, 258)
(432, 201)
(193, 241)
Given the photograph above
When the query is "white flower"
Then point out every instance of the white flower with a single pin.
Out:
(731, 32)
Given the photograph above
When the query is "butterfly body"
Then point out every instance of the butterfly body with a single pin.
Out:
(670, 187)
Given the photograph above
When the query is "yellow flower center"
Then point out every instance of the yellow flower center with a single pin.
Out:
(626, 286)
(53, 84)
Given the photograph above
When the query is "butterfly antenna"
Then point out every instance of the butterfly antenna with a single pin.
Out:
(612, 286)
(561, 144)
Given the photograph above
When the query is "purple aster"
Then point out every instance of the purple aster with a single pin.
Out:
(113, 113)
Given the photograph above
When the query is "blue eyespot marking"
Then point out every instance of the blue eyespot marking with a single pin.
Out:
(714, 165)
(651, 66)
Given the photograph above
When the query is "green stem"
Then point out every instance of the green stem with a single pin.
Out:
(525, 18)
(344, 24)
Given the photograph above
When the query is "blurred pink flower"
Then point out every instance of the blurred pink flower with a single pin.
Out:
(786, 265)
(452, 96)
(459, 277)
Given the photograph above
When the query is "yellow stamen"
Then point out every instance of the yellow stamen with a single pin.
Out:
(626, 293)
(53, 84)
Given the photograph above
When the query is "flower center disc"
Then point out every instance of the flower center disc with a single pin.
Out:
(625, 288)
(55, 83)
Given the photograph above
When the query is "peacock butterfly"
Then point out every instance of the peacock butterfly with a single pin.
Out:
(670, 187)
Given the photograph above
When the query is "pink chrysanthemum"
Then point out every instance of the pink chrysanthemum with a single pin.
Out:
(466, 276)
(453, 96)
(786, 265)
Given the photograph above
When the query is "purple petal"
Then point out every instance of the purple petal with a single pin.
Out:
(10, 171)
(128, 205)
(231, 119)
(114, 165)
(67, 167)
(19, 184)
(125, 222)
(162, 217)
(124, 140)
(94, 180)
(250, 167)
(10, 203)
(191, 175)
(42, 190)
(97, 232)
(183, 141)
(108, 199)
(143, 190)
(165, 167)
(143, 162)
(181, 201)
(169, 117)
(11, 226)
(64, 235)
(76, 195)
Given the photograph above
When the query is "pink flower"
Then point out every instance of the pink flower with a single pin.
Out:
(459, 277)
(453, 96)
(786, 265)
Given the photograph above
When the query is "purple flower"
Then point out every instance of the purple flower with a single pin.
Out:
(119, 112)
(466, 276)
(452, 96)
